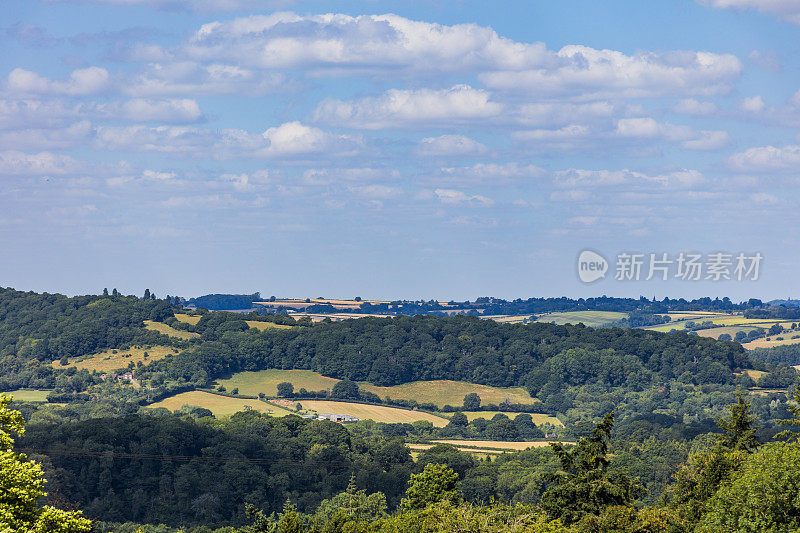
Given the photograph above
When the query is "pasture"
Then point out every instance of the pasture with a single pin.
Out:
(118, 359)
(378, 413)
(169, 330)
(595, 319)
(444, 392)
(266, 381)
(538, 418)
(219, 405)
(29, 395)
(263, 326)
(189, 319)
(483, 445)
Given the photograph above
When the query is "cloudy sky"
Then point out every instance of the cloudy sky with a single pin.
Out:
(395, 149)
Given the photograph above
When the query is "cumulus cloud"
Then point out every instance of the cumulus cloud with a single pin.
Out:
(766, 159)
(788, 10)
(489, 174)
(70, 136)
(690, 106)
(689, 138)
(581, 179)
(81, 82)
(586, 73)
(287, 141)
(398, 108)
(456, 197)
(16, 163)
(179, 78)
(367, 43)
(449, 145)
(753, 104)
(196, 5)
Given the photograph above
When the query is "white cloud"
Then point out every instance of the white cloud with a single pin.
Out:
(47, 139)
(333, 44)
(489, 174)
(586, 73)
(456, 197)
(367, 42)
(81, 82)
(570, 196)
(174, 111)
(376, 191)
(788, 10)
(397, 108)
(763, 198)
(158, 176)
(767, 159)
(294, 138)
(196, 5)
(289, 140)
(692, 107)
(689, 138)
(753, 104)
(15, 163)
(325, 176)
(581, 179)
(180, 78)
(450, 145)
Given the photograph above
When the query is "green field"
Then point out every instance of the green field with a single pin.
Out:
(439, 392)
(24, 395)
(266, 381)
(378, 413)
(189, 319)
(108, 360)
(261, 326)
(594, 319)
(219, 405)
(443, 392)
(538, 418)
(169, 330)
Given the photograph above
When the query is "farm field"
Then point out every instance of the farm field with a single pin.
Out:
(443, 392)
(189, 319)
(482, 445)
(378, 413)
(219, 405)
(764, 343)
(262, 326)
(266, 381)
(29, 395)
(508, 319)
(590, 318)
(538, 418)
(108, 360)
(168, 330)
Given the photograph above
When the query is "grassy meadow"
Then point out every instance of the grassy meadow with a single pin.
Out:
(444, 392)
(595, 319)
(29, 395)
(262, 326)
(266, 381)
(169, 330)
(378, 413)
(538, 418)
(189, 319)
(219, 405)
(118, 359)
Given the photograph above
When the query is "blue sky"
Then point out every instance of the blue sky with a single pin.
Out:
(395, 149)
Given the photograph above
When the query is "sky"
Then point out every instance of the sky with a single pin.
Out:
(400, 149)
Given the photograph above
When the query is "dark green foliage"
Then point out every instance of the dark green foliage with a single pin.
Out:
(345, 390)
(472, 402)
(285, 389)
(584, 484)
(180, 471)
(225, 301)
(434, 484)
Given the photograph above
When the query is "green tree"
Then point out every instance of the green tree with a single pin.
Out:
(346, 390)
(21, 487)
(434, 484)
(285, 389)
(472, 402)
(763, 497)
(740, 429)
(584, 486)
